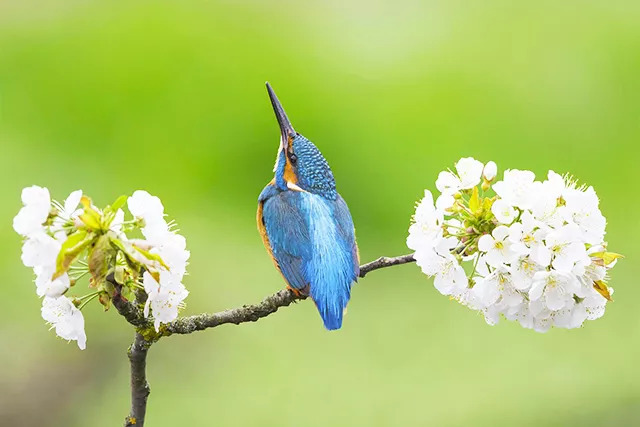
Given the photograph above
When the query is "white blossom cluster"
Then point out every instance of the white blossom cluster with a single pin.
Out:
(43, 241)
(531, 251)
(54, 233)
(165, 292)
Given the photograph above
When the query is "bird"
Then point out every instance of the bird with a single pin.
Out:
(306, 225)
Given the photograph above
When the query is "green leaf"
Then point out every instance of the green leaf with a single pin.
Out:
(607, 257)
(133, 259)
(118, 274)
(91, 219)
(120, 201)
(136, 255)
(101, 259)
(128, 293)
(109, 213)
(474, 201)
(109, 288)
(71, 249)
(105, 300)
(151, 257)
(602, 289)
(487, 203)
(107, 218)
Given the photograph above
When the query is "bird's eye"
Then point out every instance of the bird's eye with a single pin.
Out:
(293, 158)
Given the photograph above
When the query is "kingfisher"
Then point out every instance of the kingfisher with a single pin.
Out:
(306, 225)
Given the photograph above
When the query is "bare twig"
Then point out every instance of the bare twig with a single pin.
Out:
(269, 305)
(139, 387)
(128, 309)
(130, 312)
(384, 262)
(246, 313)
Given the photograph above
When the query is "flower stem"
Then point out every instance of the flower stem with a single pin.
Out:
(88, 298)
(454, 226)
(475, 265)
(76, 278)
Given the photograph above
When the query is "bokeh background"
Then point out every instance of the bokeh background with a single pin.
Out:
(168, 96)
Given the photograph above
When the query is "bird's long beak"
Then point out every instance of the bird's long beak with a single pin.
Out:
(286, 130)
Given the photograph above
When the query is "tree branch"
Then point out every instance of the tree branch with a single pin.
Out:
(139, 387)
(269, 305)
(384, 262)
(246, 313)
(186, 325)
(129, 310)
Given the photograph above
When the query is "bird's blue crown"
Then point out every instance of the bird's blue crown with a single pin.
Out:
(310, 169)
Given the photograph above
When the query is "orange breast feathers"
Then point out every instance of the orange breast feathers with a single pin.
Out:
(263, 233)
(289, 175)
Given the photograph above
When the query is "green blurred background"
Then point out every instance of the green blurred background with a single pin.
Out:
(168, 96)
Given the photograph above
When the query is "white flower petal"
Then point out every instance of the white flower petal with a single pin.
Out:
(164, 298)
(517, 188)
(487, 290)
(448, 182)
(35, 195)
(66, 319)
(500, 232)
(490, 171)
(485, 243)
(555, 299)
(445, 201)
(40, 250)
(29, 220)
(143, 205)
(536, 290)
(470, 172)
(541, 255)
(503, 212)
(118, 220)
(494, 259)
(71, 203)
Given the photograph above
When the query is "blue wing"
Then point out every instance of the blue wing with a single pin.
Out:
(347, 232)
(287, 235)
(313, 243)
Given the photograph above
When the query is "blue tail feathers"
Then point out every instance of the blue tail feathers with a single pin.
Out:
(330, 271)
(331, 306)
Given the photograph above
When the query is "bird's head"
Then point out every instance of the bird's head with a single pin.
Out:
(299, 165)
